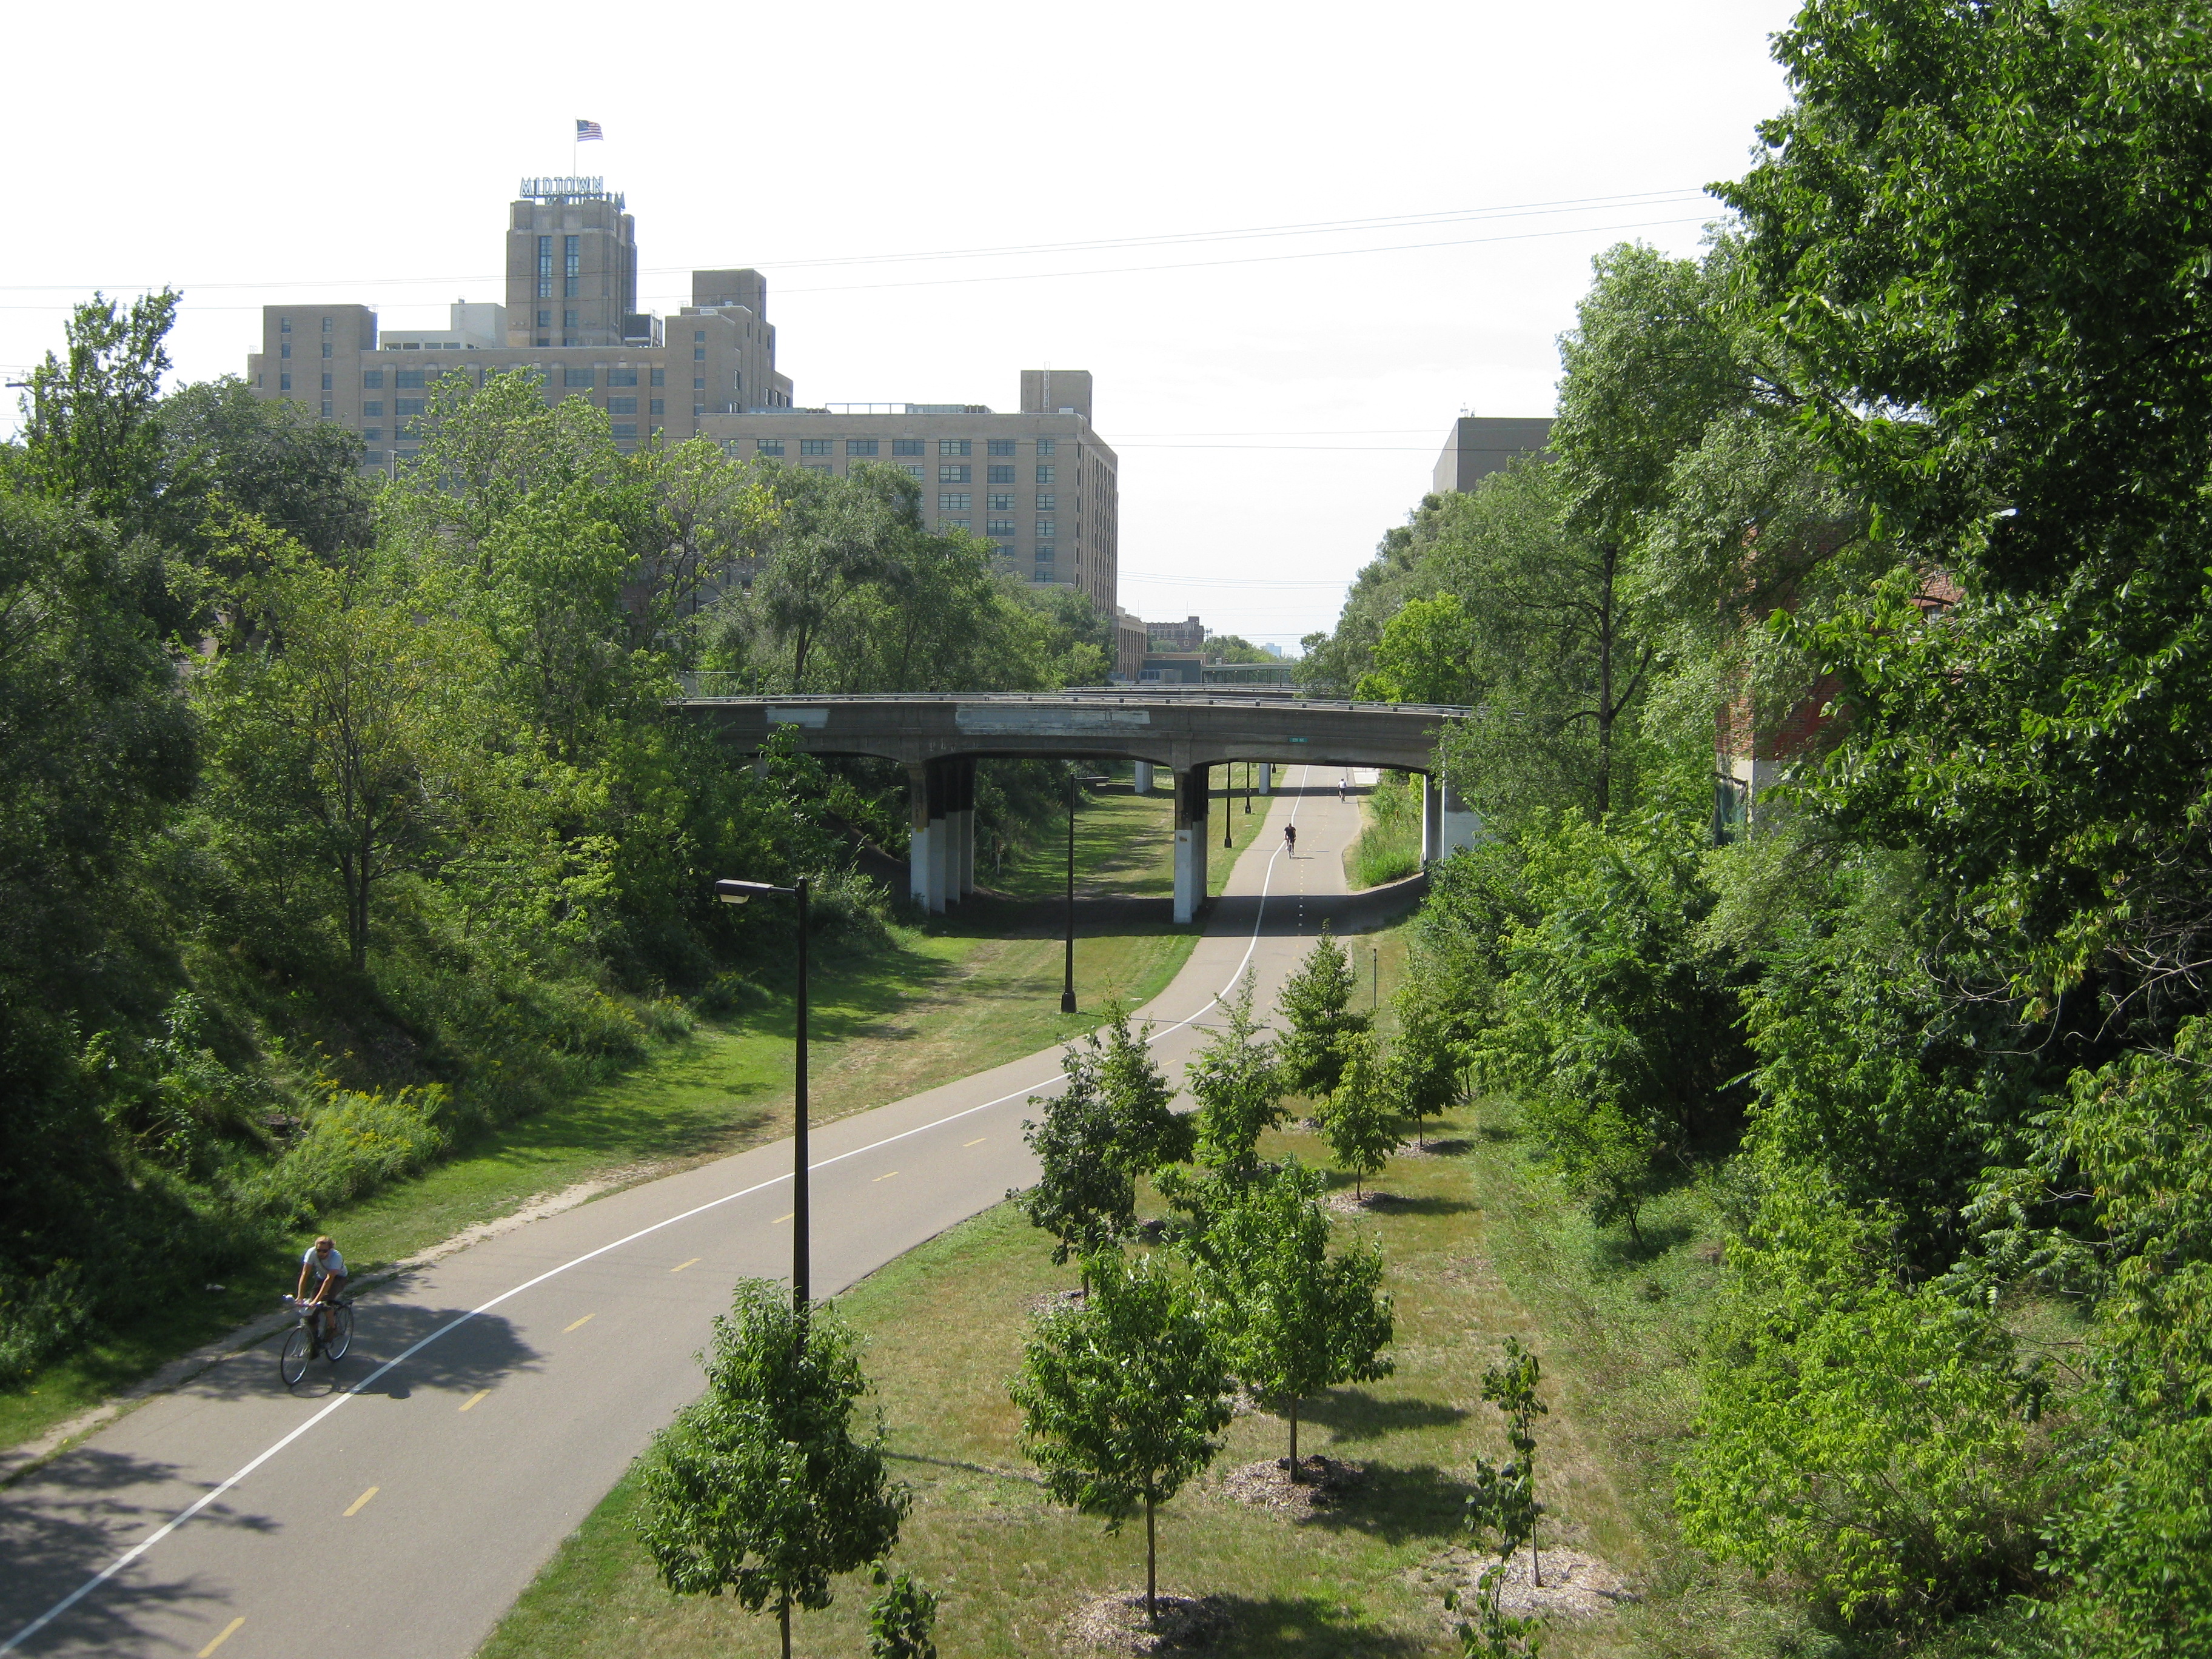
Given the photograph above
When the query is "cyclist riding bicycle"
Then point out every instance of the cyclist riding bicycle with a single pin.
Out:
(1291, 840)
(323, 1259)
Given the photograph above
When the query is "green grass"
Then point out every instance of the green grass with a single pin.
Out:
(957, 995)
(1388, 846)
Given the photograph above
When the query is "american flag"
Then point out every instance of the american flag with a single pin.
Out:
(589, 130)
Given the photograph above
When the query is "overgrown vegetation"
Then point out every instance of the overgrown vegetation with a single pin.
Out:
(1901, 485)
(339, 822)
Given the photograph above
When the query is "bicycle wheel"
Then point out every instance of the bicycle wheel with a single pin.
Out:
(341, 1336)
(292, 1361)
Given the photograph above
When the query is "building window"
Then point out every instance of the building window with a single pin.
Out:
(906, 446)
(1000, 446)
(954, 446)
(953, 474)
(373, 411)
(405, 409)
(545, 320)
(698, 354)
(657, 376)
(815, 466)
(626, 428)
(572, 264)
(407, 377)
(1043, 528)
(327, 409)
(1044, 474)
(1000, 526)
(622, 405)
(913, 472)
(284, 324)
(859, 446)
(952, 524)
(768, 445)
(327, 348)
(1000, 503)
(283, 383)
(814, 446)
(372, 434)
(698, 383)
(622, 377)
(284, 349)
(568, 320)
(326, 382)
(576, 377)
(327, 326)
(698, 333)
(1002, 475)
(1044, 551)
(1046, 503)
(372, 458)
(952, 502)
(1046, 446)
(657, 406)
(544, 273)
(373, 379)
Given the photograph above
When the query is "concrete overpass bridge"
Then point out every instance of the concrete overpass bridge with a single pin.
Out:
(939, 736)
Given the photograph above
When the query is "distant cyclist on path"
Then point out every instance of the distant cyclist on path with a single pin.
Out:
(1291, 840)
(323, 1259)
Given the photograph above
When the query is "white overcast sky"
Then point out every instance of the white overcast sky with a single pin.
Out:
(1277, 399)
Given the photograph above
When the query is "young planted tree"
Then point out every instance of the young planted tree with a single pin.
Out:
(1238, 1085)
(1317, 1001)
(1504, 1506)
(900, 1620)
(1120, 1397)
(1292, 1319)
(1361, 1128)
(760, 1488)
(1085, 1195)
(1147, 1133)
(1423, 1075)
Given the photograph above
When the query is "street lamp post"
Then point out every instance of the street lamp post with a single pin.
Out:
(1228, 788)
(1067, 983)
(737, 892)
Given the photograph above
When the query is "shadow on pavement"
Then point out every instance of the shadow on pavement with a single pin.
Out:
(476, 1354)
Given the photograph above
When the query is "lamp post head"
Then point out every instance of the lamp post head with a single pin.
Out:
(737, 892)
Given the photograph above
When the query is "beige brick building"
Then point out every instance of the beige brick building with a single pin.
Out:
(1039, 485)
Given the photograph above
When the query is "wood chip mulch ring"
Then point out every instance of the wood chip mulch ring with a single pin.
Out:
(1364, 1203)
(1115, 1624)
(1329, 1481)
(1047, 1302)
(1577, 1584)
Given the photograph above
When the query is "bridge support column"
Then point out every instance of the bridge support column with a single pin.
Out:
(1143, 785)
(1266, 777)
(1191, 838)
(931, 836)
(1433, 820)
(1460, 823)
(964, 845)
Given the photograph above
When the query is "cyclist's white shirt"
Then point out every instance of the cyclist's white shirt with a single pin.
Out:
(322, 1268)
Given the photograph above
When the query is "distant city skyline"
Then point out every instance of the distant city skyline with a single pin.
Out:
(1287, 312)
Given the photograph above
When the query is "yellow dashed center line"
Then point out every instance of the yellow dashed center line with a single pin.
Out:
(978, 1141)
(680, 1266)
(780, 1220)
(228, 1631)
(578, 1325)
(886, 1175)
(473, 1398)
(360, 1502)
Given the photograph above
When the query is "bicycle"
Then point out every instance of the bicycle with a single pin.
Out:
(307, 1340)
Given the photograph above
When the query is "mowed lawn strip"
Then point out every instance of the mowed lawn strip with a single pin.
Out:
(947, 998)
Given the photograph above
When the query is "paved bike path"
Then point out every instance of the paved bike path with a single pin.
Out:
(396, 1504)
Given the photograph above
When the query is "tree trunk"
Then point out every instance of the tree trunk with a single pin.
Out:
(783, 1619)
(1151, 1569)
(1294, 1475)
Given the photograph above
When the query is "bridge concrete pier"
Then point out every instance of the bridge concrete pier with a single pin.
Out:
(1191, 838)
(1266, 777)
(1449, 824)
(1144, 784)
(941, 845)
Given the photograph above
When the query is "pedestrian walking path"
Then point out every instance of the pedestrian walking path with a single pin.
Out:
(394, 1505)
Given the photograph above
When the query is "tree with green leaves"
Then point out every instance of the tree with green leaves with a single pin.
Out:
(1503, 1505)
(1238, 1085)
(1148, 1134)
(1293, 1319)
(90, 432)
(272, 458)
(900, 1620)
(761, 1488)
(1316, 1002)
(828, 538)
(1424, 1073)
(1427, 653)
(1360, 1122)
(1085, 1195)
(1121, 1399)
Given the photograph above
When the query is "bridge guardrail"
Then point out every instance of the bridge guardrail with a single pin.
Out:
(714, 685)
